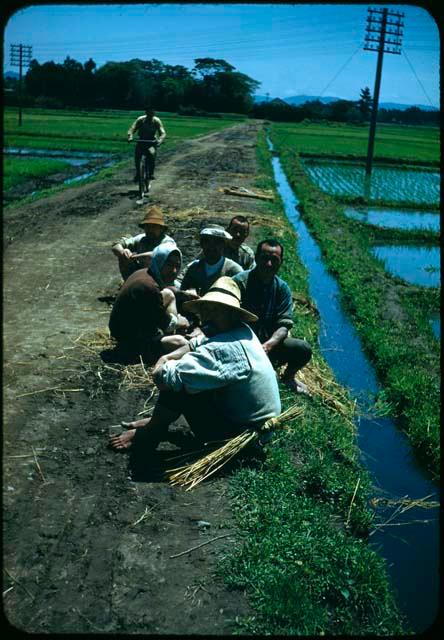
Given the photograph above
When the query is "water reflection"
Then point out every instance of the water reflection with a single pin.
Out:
(75, 158)
(395, 218)
(411, 551)
(417, 265)
(435, 323)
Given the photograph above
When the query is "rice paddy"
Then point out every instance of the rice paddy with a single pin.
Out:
(387, 183)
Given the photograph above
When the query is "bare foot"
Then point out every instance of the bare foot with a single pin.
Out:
(296, 385)
(136, 424)
(123, 440)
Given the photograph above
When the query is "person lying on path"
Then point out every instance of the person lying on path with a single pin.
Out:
(148, 127)
(132, 251)
(144, 317)
(269, 297)
(236, 249)
(211, 264)
(222, 382)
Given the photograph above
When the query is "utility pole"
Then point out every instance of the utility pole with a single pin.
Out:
(384, 33)
(20, 57)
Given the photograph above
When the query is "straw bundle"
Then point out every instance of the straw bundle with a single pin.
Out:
(192, 474)
(329, 392)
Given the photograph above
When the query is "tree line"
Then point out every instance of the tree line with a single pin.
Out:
(211, 87)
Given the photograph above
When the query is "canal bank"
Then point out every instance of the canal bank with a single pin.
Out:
(411, 554)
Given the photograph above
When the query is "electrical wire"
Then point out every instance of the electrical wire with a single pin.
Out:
(419, 81)
(340, 70)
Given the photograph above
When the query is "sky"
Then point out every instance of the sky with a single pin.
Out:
(291, 49)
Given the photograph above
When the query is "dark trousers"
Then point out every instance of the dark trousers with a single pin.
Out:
(200, 412)
(292, 351)
(150, 151)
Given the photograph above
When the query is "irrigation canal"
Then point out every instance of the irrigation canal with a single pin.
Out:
(411, 551)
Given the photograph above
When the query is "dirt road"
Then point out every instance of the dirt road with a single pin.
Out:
(86, 549)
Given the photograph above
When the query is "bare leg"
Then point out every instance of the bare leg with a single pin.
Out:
(158, 425)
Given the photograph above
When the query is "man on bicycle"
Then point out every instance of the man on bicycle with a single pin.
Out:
(149, 127)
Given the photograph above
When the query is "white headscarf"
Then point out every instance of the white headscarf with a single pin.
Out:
(160, 256)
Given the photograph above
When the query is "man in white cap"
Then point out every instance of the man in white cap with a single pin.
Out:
(221, 381)
(211, 264)
(134, 252)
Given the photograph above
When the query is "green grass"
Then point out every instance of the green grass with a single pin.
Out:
(403, 350)
(17, 170)
(396, 142)
(303, 516)
(97, 131)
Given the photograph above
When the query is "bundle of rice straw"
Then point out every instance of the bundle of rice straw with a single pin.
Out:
(192, 474)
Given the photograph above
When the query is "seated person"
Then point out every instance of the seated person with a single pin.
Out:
(221, 381)
(144, 316)
(131, 251)
(212, 264)
(236, 249)
(269, 297)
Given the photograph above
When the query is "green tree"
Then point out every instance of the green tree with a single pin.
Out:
(365, 103)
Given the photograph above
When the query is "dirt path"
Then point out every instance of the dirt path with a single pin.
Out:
(78, 555)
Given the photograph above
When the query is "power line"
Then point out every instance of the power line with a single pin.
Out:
(419, 81)
(340, 70)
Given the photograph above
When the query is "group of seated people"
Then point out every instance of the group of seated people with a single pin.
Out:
(213, 330)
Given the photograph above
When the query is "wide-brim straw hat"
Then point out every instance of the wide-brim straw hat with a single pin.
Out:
(224, 292)
(216, 231)
(153, 215)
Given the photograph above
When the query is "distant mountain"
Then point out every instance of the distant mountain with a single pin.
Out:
(11, 74)
(298, 100)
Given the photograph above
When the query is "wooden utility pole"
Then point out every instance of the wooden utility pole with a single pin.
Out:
(387, 27)
(20, 56)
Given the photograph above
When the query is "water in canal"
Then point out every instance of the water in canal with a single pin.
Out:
(406, 219)
(411, 551)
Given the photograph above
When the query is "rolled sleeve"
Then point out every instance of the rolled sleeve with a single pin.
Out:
(207, 368)
(284, 310)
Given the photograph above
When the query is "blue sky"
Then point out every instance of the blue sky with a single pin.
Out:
(311, 49)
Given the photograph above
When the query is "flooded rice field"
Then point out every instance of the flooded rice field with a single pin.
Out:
(417, 265)
(74, 158)
(391, 184)
(412, 551)
(406, 219)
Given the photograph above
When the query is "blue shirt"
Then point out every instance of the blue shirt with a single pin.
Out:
(271, 302)
(235, 368)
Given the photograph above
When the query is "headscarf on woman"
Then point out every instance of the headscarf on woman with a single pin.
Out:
(160, 255)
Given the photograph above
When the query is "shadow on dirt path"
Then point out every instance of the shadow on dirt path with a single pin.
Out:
(86, 549)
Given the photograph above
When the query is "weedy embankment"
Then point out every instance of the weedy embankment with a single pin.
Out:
(303, 517)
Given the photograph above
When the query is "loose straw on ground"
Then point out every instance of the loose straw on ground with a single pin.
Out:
(177, 555)
(191, 475)
(327, 390)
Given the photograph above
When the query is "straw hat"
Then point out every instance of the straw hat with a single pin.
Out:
(224, 292)
(216, 231)
(153, 215)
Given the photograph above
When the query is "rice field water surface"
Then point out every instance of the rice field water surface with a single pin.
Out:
(385, 218)
(387, 183)
(415, 264)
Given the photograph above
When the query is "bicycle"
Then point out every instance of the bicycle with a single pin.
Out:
(145, 166)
